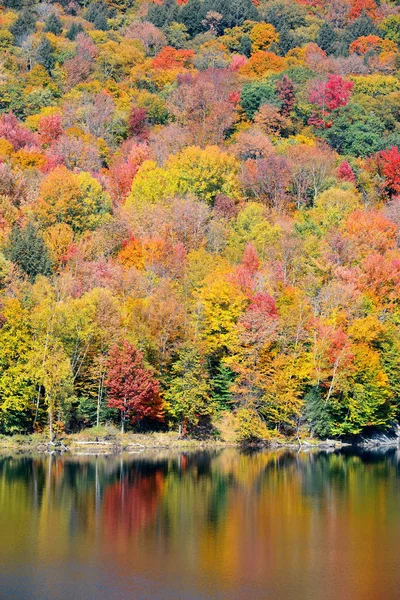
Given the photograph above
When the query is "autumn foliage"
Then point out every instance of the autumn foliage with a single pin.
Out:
(199, 217)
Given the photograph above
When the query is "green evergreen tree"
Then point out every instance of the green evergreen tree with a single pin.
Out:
(192, 15)
(27, 249)
(74, 30)
(317, 414)
(327, 38)
(97, 13)
(24, 25)
(53, 25)
(222, 381)
(45, 54)
(234, 12)
(363, 26)
(15, 4)
(245, 46)
(162, 15)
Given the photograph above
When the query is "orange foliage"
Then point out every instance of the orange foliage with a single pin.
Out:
(170, 58)
(363, 6)
(261, 63)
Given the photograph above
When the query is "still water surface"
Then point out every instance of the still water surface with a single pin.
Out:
(221, 525)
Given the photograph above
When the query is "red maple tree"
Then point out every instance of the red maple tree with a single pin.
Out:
(131, 387)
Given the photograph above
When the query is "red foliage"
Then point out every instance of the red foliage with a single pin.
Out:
(225, 207)
(345, 172)
(328, 97)
(15, 133)
(263, 304)
(332, 94)
(285, 89)
(238, 61)
(246, 271)
(389, 165)
(131, 387)
(121, 174)
(52, 161)
(50, 128)
(138, 124)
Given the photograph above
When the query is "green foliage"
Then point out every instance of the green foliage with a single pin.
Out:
(53, 25)
(45, 54)
(317, 414)
(27, 249)
(327, 38)
(74, 30)
(355, 132)
(390, 28)
(189, 392)
(24, 25)
(222, 380)
(258, 93)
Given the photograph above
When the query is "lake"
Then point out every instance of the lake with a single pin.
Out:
(207, 525)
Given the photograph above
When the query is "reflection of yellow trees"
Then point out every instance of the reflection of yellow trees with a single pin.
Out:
(271, 521)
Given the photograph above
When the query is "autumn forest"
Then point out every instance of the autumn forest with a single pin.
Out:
(200, 216)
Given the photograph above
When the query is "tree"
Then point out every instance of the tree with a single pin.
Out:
(203, 105)
(286, 94)
(27, 249)
(17, 380)
(389, 165)
(138, 123)
(192, 15)
(131, 387)
(77, 200)
(74, 31)
(363, 7)
(328, 97)
(50, 128)
(345, 172)
(189, 393)
(327, 38)
(390, 27)
(53, 25)
(258, 93)
(45, 54)
(24, 25)
(263, 36)
(267, 179)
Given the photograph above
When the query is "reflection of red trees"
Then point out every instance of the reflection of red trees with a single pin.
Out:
(131, 504)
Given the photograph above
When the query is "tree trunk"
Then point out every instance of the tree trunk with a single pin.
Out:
(51, 423)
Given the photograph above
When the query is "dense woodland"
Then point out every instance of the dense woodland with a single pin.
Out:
(199, 216)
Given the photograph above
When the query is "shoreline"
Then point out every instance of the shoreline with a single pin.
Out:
(134, 443)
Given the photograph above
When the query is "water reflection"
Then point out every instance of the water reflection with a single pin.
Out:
(270, 525)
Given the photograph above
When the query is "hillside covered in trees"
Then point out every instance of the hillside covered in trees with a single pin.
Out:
(199, 215)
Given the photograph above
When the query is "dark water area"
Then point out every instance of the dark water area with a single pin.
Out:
(219, 525)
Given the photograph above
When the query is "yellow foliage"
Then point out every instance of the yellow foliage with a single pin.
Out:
(33, 120)
(333, 205)
(6, 149)
(220, 305)
(28, 159)
(375, 85)
(58, 238)
(203, 173)
(262, 63)
(262, 36)
(368, 330)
